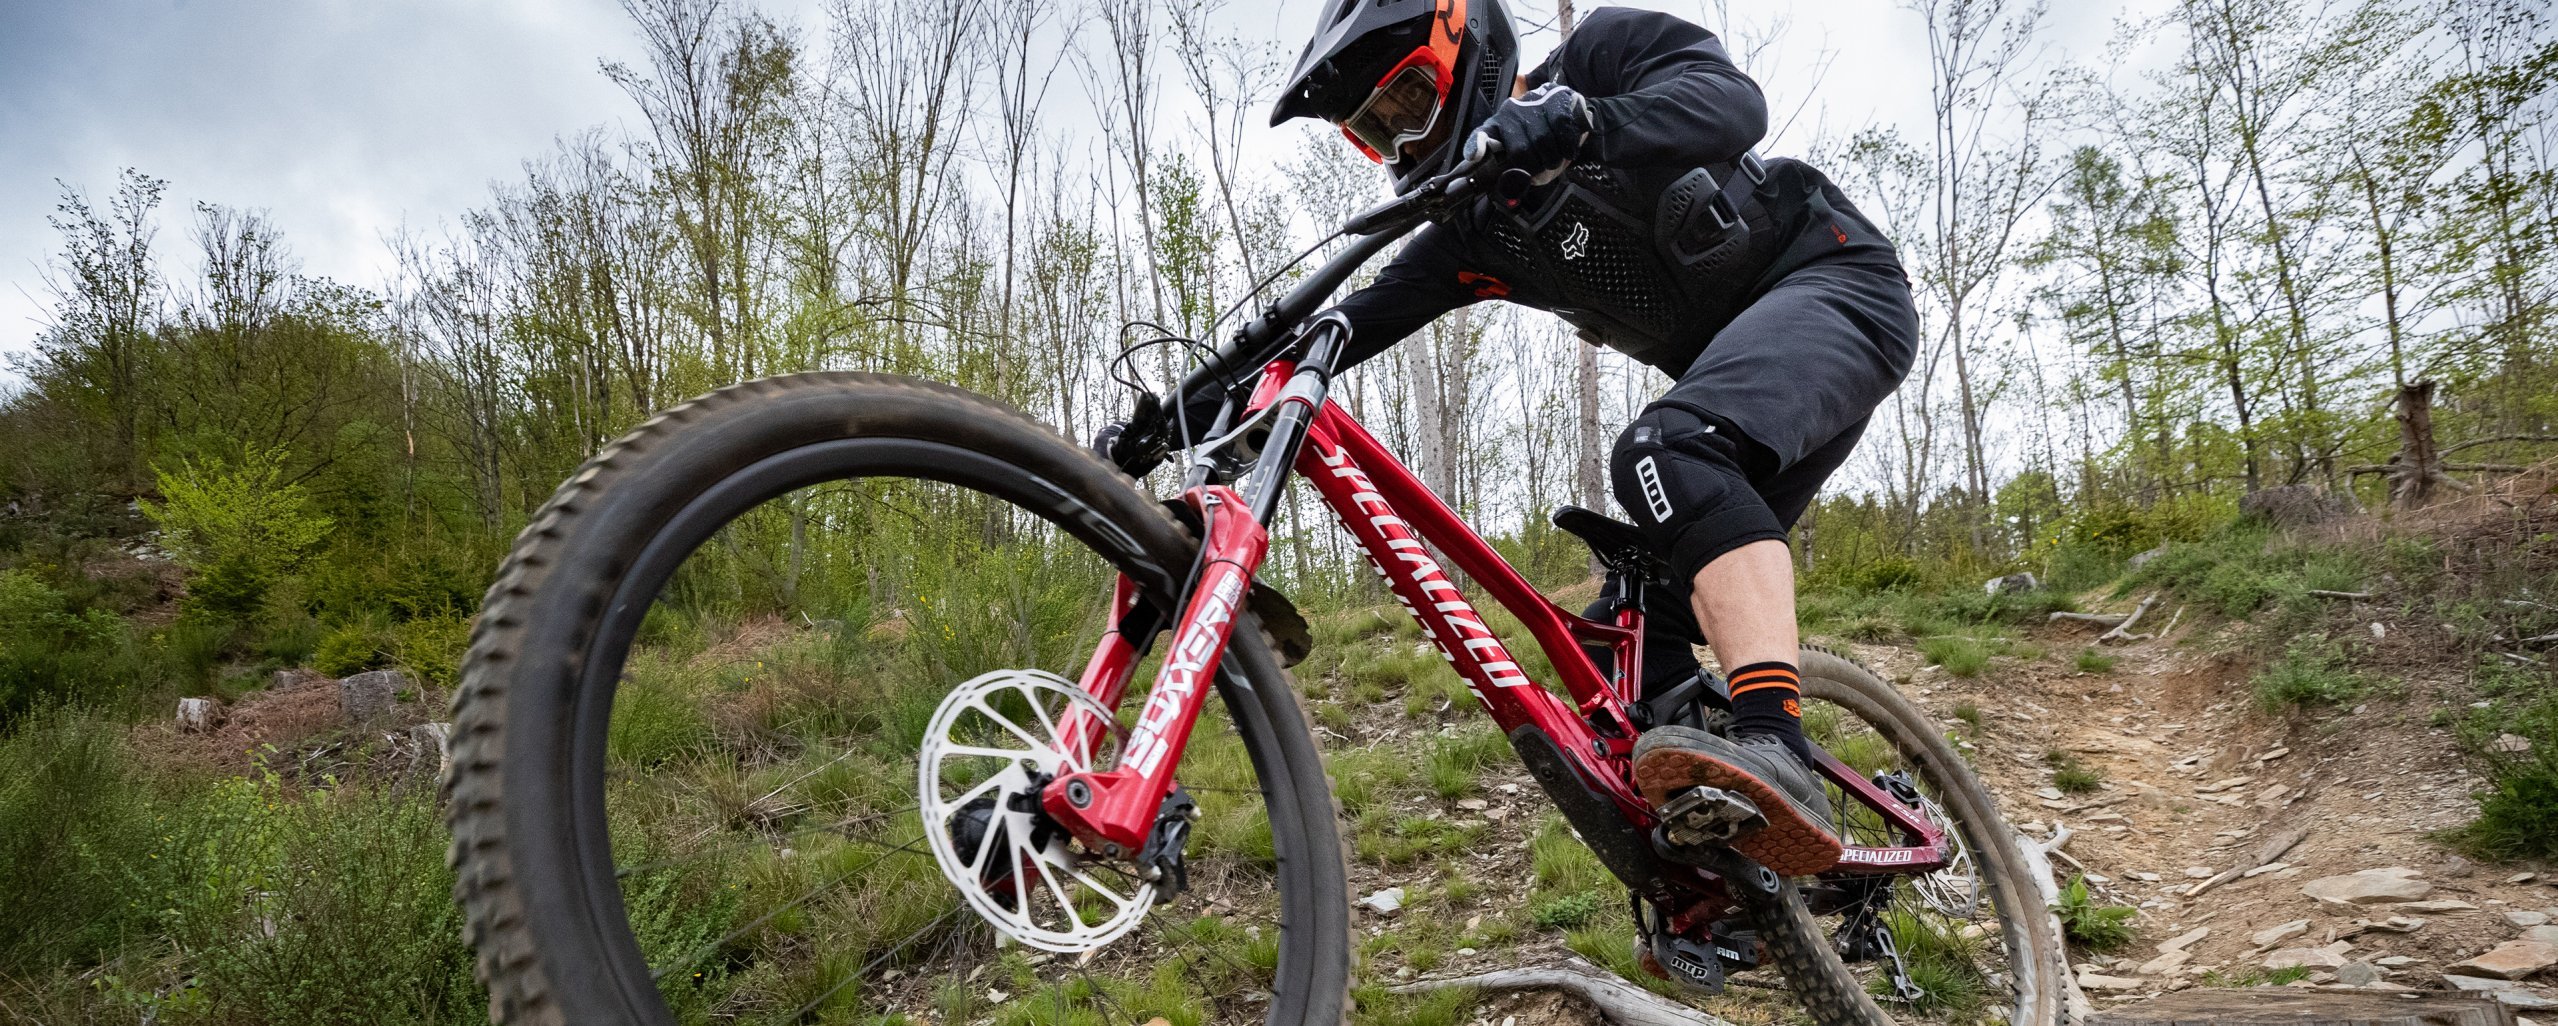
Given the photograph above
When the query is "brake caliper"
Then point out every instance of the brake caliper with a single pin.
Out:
(1161, 860)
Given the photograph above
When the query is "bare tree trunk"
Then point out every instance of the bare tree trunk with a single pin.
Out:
(2418, 467)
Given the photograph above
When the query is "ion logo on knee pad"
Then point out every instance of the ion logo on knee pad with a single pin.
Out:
(1650, 474)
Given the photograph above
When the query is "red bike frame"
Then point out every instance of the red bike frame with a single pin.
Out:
(1398, 522)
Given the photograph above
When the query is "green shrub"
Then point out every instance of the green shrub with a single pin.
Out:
(2311, 672)
(432, 648)
(48, 647)
(352, 648)
(72, 827)
(323, 907)
(2093, 661)
(238, 528)
(2094, 926)
(2518, 810)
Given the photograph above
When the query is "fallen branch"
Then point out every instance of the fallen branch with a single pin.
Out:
(2123, 631)
(2539, 640)
(2099, 619)
(1617, 1001)
(2272, 849)
(2172, 622)
(2351, 596)
(2521, 658)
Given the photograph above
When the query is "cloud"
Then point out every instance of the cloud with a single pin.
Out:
(341, 117)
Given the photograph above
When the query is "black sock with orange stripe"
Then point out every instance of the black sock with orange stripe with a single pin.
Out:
(1767, 702)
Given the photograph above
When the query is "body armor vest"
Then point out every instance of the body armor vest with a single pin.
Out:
(1649, 262)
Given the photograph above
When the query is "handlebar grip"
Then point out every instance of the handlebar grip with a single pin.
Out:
(1513, 185)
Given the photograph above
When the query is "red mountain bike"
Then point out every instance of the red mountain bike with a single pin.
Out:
(1060, 816)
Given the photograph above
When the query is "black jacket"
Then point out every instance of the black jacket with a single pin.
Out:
(1594, 246)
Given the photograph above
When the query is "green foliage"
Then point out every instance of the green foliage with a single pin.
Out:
(352, 647)
(1945, 964)
(2070, 774)
(1960, 655)
(2244, 568)
(49, 647)
(74, 829)
(2091, 660)
(2312, 671)
(2518, 810)
(656, 718)
(1455, 761)
(2090, 924)
(238, 527)
(1567, 911)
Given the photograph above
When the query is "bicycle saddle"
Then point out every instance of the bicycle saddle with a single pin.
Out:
(1620, 546)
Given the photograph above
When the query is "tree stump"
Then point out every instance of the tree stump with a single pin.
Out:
(2282, 1006)
(370, 695)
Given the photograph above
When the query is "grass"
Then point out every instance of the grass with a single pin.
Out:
(2311, 672)
(1455, 762)
(1960, 655)
(1567, 911)
(2091, 660)
(2071, 775)
(1969, 712)
(2091, 924)
(1944, 964)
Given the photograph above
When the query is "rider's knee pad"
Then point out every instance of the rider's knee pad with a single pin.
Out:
(1682, 479)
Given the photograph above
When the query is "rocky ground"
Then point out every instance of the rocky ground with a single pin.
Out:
(2257, 847)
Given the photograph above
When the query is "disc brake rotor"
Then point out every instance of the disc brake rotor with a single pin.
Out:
(1954, 891)
(992, 745)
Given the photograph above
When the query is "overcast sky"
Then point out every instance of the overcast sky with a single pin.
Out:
(346, 119)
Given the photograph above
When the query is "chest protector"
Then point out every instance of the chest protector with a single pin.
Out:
(1650, 262)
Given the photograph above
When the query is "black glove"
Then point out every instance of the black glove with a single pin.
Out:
(1539, 133)
(1107, 439)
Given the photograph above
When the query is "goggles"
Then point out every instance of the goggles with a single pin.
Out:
(1403, 109)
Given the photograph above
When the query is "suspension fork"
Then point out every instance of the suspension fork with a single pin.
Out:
(1114, 811)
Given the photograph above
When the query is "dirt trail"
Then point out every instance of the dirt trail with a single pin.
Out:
(2198, 784)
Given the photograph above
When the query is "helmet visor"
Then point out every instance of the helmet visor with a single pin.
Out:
(1402, 110)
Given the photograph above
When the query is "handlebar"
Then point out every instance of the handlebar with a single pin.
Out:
(1144, 441)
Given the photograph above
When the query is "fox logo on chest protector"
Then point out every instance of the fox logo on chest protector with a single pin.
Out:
(1576, 244)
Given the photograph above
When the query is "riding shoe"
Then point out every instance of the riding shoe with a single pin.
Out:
(1798, 839)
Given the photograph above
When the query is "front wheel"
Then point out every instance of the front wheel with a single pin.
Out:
(1967, 944)
(725, 840)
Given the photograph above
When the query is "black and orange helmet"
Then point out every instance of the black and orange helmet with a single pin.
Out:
(1388, 72)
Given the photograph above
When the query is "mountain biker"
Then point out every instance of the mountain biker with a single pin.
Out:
(1781, 312)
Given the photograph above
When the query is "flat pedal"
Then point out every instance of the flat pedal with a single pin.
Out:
(1688, 963)
(1704, 816)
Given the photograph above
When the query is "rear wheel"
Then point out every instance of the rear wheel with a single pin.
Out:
(1973, 938)
(630, 850)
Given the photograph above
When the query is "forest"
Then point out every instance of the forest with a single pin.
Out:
(2250, 244)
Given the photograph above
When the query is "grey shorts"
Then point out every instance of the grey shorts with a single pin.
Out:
(1800, 372)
